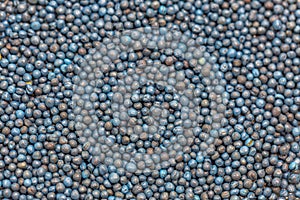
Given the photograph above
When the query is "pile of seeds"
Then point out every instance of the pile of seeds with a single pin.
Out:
(164, 99)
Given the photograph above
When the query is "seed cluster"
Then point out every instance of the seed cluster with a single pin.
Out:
(163, 99)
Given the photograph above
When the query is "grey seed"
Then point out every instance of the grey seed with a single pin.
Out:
(131, 167)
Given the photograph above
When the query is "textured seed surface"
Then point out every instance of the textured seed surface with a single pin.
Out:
(130, 99)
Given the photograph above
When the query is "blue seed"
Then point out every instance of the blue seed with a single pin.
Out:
(260, 103)
(231, 53)
(114, 177)
(249, 142)
(219, 180)
(163, 173)
(6, 183)
(20, 114)
(68, 182)
(15, 131)
(296, 131)
(277, 25)
(35, 26)
(162, 10)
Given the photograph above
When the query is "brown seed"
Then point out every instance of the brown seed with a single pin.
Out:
(255, 91)
(215, 156)
(210, 179)
(236, 175)
(270, 170)
(143, 136)
(221, 149)
(291, 117)
(264, 79)
(180, 86)
(179, 158)
(243, 162)
(64, 115)
(230, 149)
(162, 22)
(206, 128)
(180, 166)
(6, 131)
(237, 63)
(77, 176)
(276, 111)
(279, 128)
(205, 71)
(269, 106)
(49, 145)
(23, 189)
(227, 178)
(137, 189)
(155, 5)
(169, 61)
(22, 165)
(108, 126)
(225, 194)
(125, 140)
(119, 194)
(60, 187)
(204, 196)
(269, 5)
(276, 190)
(81, 51)
(54, 48)
(248, 183)
(38, 91)
(70, 18)
(248, 84)
(52, 167)
(280, 89)
(284, 150)
(54, 82)
(241, 79)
